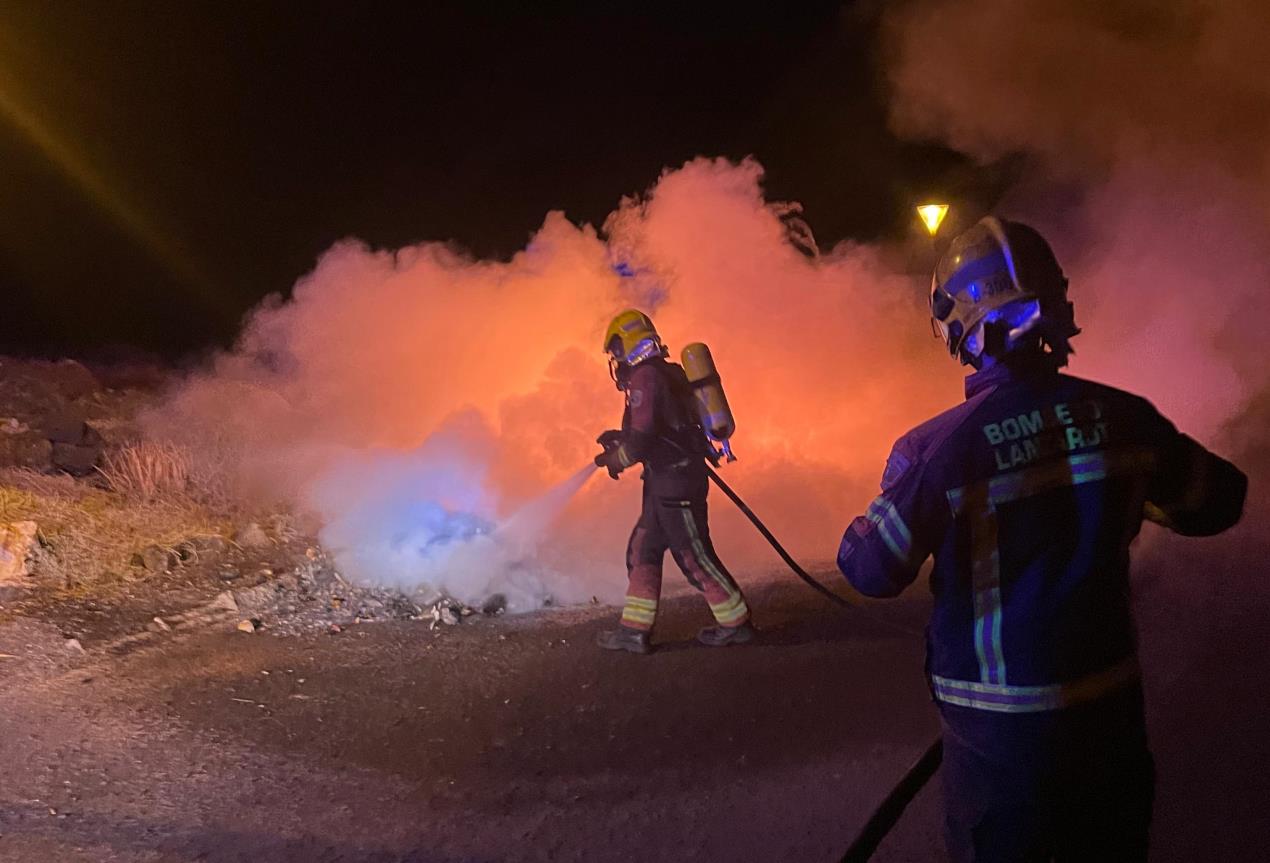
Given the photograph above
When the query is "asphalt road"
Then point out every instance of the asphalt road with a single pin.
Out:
(500, 739)
(514, 739)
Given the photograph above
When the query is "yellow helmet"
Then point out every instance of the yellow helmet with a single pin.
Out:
(631, 338)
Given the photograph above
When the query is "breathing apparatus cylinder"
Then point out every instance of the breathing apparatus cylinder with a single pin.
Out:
(707, 389)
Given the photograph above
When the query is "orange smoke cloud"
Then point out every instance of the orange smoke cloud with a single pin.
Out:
(394, 382)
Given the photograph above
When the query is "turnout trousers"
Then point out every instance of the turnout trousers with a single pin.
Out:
(677, 523)
(1070, 785)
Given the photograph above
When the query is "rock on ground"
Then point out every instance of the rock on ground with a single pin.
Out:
(154, 558)
(252, 536)
(43, 408)
(25, 449)
(79, 452)
(17, 541)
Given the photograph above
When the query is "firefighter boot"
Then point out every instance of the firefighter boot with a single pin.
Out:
(624, 638)
(722, 636)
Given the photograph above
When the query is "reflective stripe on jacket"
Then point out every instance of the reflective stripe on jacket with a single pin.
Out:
(1028, 495)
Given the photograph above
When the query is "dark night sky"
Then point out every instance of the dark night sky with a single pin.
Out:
(239, 139)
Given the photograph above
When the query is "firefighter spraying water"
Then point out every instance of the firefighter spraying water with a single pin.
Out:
(673, 414)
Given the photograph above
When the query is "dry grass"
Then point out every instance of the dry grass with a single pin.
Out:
(89, 534)
(151, 490)
(147, 470)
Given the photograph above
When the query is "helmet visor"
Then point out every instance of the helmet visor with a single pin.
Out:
(1018, 317)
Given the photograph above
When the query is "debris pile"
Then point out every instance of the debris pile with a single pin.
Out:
(314, 596)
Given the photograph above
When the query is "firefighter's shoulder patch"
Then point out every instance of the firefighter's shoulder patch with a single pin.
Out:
(897, 467)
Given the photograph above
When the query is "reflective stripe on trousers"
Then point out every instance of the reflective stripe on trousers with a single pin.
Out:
(731, 610)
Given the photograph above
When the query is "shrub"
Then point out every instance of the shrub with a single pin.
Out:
(147, 470)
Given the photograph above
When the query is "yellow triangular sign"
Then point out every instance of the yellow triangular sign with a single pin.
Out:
(932, 216)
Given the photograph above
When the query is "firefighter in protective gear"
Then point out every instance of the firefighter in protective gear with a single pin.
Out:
(660, 430)
(1028, 495)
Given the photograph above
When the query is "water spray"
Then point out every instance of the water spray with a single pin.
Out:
(536, 515)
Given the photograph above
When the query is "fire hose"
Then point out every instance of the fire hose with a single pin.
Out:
(785, 555)
(887, 814)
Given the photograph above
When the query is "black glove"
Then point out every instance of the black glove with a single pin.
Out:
(611, 440)
(609, 459)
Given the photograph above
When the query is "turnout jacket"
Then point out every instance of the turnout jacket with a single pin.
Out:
(660, 429)
(1028, 495)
